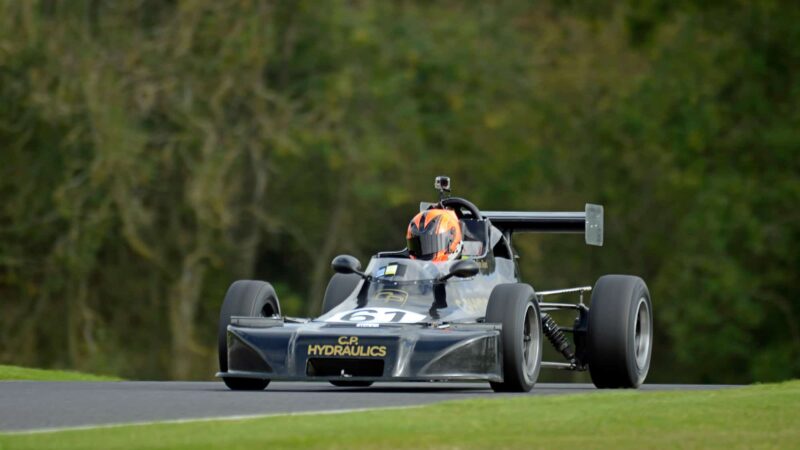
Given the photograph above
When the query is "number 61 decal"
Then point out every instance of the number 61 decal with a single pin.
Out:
(376, 315)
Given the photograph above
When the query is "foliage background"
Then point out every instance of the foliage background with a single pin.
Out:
(154, 151)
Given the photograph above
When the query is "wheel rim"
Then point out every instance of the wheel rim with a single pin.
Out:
(530, 342)
(643, 334)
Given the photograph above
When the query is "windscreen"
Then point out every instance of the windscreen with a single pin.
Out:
(408, 291)
(404, 269)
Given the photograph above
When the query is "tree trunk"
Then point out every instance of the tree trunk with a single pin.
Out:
(321, 263)
(183, 301)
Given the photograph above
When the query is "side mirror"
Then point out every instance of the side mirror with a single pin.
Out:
(462, 269)
(346, 264)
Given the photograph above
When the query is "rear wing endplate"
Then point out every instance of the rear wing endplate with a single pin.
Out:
(589, 222)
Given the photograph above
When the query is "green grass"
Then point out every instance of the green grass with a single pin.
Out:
(764, 416)
(25, 373)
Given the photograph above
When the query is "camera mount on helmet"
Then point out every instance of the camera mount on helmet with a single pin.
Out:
(442, 184)
(457, 204)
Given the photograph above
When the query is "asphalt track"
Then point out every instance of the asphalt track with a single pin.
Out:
(30, 405)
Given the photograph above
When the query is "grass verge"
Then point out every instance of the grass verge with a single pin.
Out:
(762, 416)
(25, 373)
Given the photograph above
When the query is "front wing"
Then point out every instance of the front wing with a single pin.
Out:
(268, 348)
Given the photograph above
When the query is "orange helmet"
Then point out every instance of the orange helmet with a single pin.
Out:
(434, 235)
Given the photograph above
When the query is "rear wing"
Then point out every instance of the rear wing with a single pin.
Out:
(589, 222)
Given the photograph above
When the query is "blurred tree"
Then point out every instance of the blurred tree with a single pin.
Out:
(153, 152)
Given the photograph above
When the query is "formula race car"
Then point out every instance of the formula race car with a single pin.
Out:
(449, 307)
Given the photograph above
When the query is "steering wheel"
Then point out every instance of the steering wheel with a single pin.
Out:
(458, 204)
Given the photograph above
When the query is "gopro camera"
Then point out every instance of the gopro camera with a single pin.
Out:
(442, 184)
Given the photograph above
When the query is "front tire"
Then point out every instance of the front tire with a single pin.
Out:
(620, 334)
(248, 298)
(339, 288)
(245, 384)
(515, 307)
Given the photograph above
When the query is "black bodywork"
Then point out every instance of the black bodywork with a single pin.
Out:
(403, 322)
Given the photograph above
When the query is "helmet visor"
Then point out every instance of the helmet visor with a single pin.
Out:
(427, 245)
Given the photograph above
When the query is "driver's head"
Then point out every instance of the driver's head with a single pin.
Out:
(434, 235)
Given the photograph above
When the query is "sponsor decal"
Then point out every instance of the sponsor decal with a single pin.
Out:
(391, 270)
(347, 346)
(376, 315)
(392, 295)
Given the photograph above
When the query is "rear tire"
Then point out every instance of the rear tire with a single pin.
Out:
(620, 334)
(248, 298)
(515, 307)
(340, 383)
(339, 288)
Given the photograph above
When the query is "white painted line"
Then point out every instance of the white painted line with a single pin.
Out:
(204, 419)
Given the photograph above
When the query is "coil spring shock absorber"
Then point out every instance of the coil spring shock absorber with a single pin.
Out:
(556, 336)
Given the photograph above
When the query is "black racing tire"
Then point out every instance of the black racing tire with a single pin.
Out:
(620, 334)
(516, 308)
(339, 288)
(248, 298)
(341, 383)
(245, 384)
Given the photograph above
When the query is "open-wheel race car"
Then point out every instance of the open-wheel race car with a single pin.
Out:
(449, 307)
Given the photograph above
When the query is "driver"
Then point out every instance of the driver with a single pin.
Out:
(434, 235)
